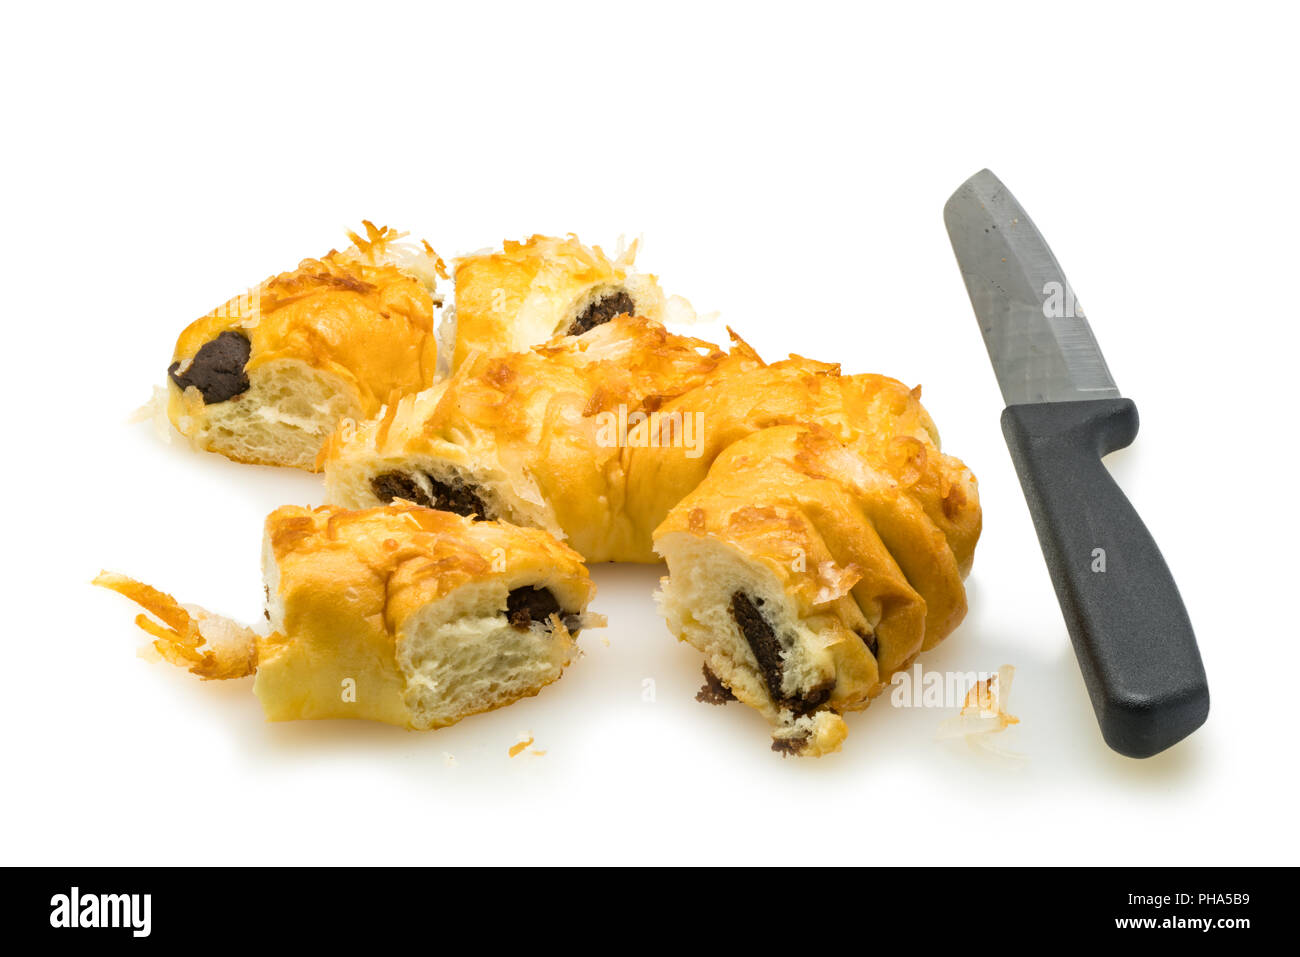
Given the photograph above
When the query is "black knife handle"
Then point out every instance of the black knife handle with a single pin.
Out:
(1126, 619)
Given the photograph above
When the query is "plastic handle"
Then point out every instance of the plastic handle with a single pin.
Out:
(1126, 619)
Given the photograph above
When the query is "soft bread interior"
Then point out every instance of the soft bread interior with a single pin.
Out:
(463, 655)
(476, 647)
(647, 295)
(283, 418)
(698, 600)
(446, 338)
(274, 607)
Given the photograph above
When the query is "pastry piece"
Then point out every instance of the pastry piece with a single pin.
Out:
(268, 376)
(534, 291)
(816, 535)
(400, 614)
(595, 439)
(883, 417)
(808, 569)
(536, 438)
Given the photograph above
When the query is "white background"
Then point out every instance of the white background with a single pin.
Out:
(787, 165)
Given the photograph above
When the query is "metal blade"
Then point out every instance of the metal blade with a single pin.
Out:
(1038, 339)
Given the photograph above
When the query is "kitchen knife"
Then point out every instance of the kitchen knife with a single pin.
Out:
(1122, 609)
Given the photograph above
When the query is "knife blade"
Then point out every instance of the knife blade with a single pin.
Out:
(1130, 630)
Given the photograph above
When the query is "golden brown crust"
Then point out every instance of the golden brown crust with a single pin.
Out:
(831, 519)
(530, 292)
(558, 425)
(545, 423)
(362, 318)
(842, 529)
(349, 591)
(835, 484)
(347, 586)
(793, 391)
(408, 556)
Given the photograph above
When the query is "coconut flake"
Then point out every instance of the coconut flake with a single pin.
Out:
(834, 581)
(382, 246)
(984, 713)
(155, 413)
(679, 311)
(188, 636)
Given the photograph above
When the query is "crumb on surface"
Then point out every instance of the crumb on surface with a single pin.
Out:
(983, 714)
(520, 746)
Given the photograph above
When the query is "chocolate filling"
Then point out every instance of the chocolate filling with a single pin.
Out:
(217, 369)
(813, 698)
(455, 496)
(762, 640)
(528, 604)
(393, 485)
(869, 640)
(767, 652)
(789, 746)
(601, 311)
(714, 691)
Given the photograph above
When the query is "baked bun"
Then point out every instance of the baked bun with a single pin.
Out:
(400, 614)
(269, 375)
(808, 569)
(534, 437)
(545, 287)
(882, 417)
(596, 438)
(816, 535)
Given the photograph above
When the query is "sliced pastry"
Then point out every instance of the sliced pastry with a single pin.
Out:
(807, 570)
(532, 292)
(596, 438)
(267, 376)
(538, 437)
(400, 614)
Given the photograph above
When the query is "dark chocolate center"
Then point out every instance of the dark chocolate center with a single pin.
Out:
(601, 311)
(527, 604)
(762, 640)
(454, 496)
(767, 652)
(789, 746)
(457, 496)
(713, 691)
(217, 369)
(393, 485)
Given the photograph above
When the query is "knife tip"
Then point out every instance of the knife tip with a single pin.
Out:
(981, 185)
